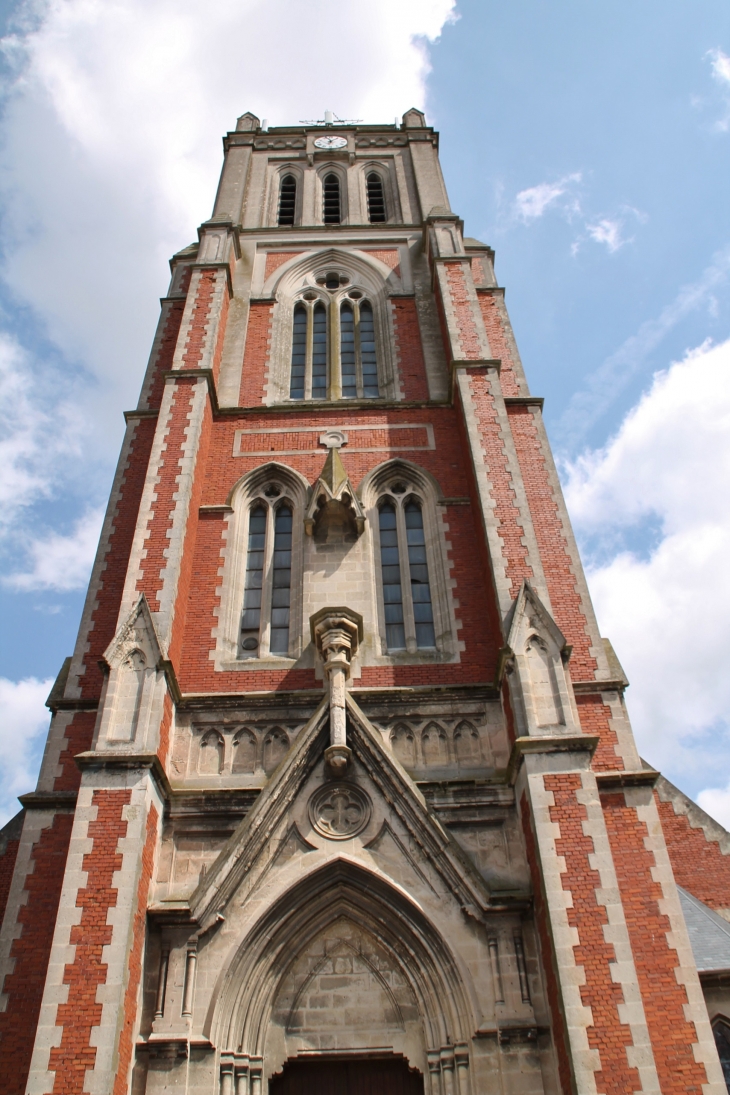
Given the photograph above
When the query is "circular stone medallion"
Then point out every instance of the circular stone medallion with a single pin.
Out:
(339, 811)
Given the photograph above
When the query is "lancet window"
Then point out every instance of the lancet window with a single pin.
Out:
(376, 198)
(358, 356)
(308, 378)
(287, 200)
(343, 364)
(331, 202)
(265, 620)
(407, 606)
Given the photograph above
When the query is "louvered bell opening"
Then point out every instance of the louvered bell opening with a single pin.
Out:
(287, 200)
(376, 199)
(331, 200)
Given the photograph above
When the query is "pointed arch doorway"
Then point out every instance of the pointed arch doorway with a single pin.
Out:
(349, 1076)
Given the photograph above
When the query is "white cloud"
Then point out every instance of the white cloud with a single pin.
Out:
(667, 609)
(23, 723)
(536, 200)
(32, 439)
(716, 802)
(607, 382)
(110, 149)
(720, 66)
(721, 74)
(608, 232)
(61, 562)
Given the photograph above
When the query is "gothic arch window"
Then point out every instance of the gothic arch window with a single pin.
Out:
(261, 613)
(358, 353)
(376, 198)
(287, 200)
(265, 619)
(344, 366)
(331, 199)
(415, 610)
(407, 605)
(308, 377)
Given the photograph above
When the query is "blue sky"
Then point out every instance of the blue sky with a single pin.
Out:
(588, 144)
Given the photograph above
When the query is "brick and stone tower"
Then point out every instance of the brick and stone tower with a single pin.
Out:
(340, 789)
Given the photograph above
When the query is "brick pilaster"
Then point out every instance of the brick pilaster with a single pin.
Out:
(90, 1001)
(593, 988)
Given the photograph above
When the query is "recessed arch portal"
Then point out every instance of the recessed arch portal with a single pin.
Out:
(341, 913)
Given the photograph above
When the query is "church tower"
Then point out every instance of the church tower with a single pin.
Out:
(340, 792)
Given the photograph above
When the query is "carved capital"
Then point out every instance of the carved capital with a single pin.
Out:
(336, 633)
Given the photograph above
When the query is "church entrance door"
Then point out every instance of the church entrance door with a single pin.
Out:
(382, 1076)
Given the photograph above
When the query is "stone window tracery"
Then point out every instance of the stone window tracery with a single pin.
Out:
(339, 364)
(412, 590)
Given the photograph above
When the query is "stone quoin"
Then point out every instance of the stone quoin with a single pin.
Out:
(340, 792)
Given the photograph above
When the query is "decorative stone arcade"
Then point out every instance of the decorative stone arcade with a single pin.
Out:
(340, 787)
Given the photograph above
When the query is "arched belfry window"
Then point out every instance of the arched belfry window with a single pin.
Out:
(407, 607)
(358, 357)
(265, 620)
(308, 378)
(376, 198)
(331, 205)
(287, 200)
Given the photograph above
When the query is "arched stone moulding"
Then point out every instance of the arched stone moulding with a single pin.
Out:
(240, 1014)
(421, 484)
(250, 487)
(369, 275)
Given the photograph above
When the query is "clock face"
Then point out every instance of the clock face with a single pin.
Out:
(330, 142)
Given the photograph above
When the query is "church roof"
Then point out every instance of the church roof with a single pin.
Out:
(709, 933)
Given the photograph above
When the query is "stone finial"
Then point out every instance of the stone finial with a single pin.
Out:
(334, 514)
(337, 633)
